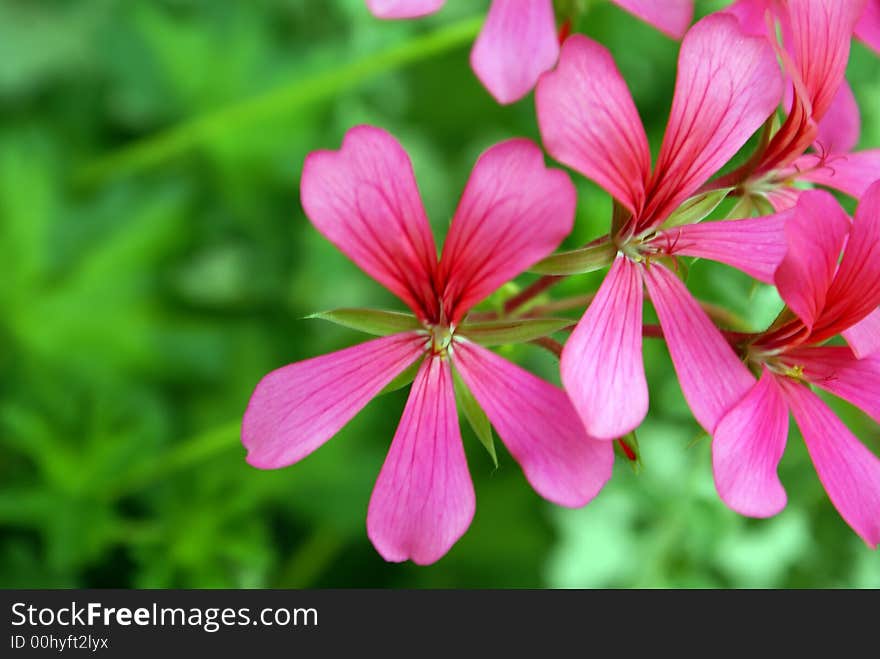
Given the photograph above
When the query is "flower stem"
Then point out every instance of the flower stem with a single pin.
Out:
(531, 291)
(549, 344)
(281, 101)
(565, 304)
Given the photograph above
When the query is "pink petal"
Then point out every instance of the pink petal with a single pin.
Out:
(746, 448)
(403, 8)
(601, 364)
(851, 173)
(837, 370)
(728, 84)
(517, 44)
(589, 122)
(816, 232)
(751, 15)
(364, 199)
(821, 31)
(539, 426)
(849, 472)
(712, 378)
(855, 292)
(298, 407)
(783, 198)
(755, 245)
(840, 127)
(864, 337)
(423, 501)
(868, 27)
(514, 212)
(671, 16)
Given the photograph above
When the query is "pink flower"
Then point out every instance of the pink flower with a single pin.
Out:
(827, 294)
(823, 110)
(514, 211)
(728, 84)
(519, 40)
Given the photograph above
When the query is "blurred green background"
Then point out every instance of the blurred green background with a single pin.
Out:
(156, 263)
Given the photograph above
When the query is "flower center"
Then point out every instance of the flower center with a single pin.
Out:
(775, 363)
(441, 340)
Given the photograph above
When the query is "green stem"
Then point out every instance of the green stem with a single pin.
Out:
(532, 291)
(165, 145)
(551, 345)
(311, 559)
(565, 304)
(189, 452)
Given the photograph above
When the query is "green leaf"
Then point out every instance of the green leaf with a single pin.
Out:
(577, 261)
(521, 330)
(371, 321)
(696, 208)
(403, 379)
(475, 415)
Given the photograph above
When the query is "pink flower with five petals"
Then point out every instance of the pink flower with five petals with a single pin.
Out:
(728, 84)
(822, 111)
(519, 41)
(826, 294)
(514, 211)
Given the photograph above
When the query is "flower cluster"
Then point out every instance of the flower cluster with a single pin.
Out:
(769, 69)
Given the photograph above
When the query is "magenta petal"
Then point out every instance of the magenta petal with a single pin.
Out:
(840, 127)
(855, 292)
(837, 370)
(821, 31)
(516, 45)
(589, 122)
(423, 501)
(364, 199)
(539, 426)
(403, 8)
(712, 378)
(851, 173)
(849, 472)
(514, 212)
(751, 15)
(670, 16)
(868, 27)
(755, 245)
(746, 448)
(601, 364)
(728, 84)
(864, 337)
(783, 198)
(816, 231)
(298, 407)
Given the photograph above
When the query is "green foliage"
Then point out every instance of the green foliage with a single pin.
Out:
(519, 330)
(577, 261)
(371, 321)
(475, 416)
(156, 264)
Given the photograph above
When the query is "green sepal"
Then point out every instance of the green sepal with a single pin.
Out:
(577, 261)
(696, 208)
(750, 205)
(371, 321)
(518, 330)
(631, 442)
(475, 416)
(407, 376)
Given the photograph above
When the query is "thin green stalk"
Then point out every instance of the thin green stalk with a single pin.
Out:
(291, 97)
(184, 454)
